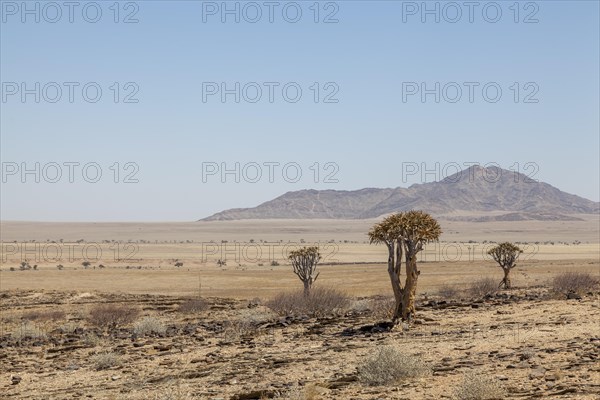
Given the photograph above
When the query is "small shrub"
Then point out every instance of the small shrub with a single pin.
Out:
(383, 307)
(578, 282)
(172, 392)
(389, 365)
(319, 303)
(483, 287)
(60, 267)
(274, 263)
(476, 387)
(149, 325)
(91, 339)
(448, 292)
(55, 315)
(112, 315)
(308, 392)
(28, 330)
(247, 323)
(193, 306)
(105, 360)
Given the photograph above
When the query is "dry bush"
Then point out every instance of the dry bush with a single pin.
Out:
(383, 307)
(389, 365)
(69, 327)
(28, 330)
(172, 392)
(308, 392)
(106, 315)
(477, 387)
(578, 282)
(482, 287)
(247, 323)
(55, 315)
(92, 340)
(192, 306)
(319, 303)
(448, 292)
(105, 360)
(148, 325)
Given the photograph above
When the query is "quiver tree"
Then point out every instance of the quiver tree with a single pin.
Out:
(506, 255)
(405, 234)
(304, 262)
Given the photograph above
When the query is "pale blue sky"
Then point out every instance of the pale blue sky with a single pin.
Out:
(368, 133)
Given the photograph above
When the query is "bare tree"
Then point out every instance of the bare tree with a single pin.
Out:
(506, 255)
(304, 262)
(405, 234)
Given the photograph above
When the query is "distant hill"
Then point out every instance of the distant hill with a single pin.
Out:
(473, 190)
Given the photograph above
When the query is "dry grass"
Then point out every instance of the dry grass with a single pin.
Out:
(193, 306)
(383, 307)
(482, 287)
(319, 303)
(105, 360)
(28, 330)
(148, 325)
(42, 316)
(448, 292)
(477, 387)
(111, 315)
(389, 365)
(308, 392)
(578, 282)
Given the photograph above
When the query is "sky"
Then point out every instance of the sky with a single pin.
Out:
(175, 110)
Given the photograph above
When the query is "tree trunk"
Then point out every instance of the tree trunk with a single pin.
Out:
(306, 288)
(506, 280)
(394, 266)
(410, 289)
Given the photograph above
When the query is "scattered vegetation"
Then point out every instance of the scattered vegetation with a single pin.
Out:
(319, 303)
(576, 282)
(477, 387)
(448, 292)
(389, 365)
(193, 306)
(112, 315)
(382, 307)
(28, 330)
(105, 360)
(43, 316)
(148, 325)
(482, 287)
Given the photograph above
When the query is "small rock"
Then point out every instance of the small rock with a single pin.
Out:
(115, 377)
(15, 379)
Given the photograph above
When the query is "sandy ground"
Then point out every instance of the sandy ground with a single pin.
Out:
(529, 340)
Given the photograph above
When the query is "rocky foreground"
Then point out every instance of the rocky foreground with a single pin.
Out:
(529, 343)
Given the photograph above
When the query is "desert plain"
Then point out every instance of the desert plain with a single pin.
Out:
(217, 336)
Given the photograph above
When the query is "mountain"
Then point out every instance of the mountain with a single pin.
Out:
(508, 195)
